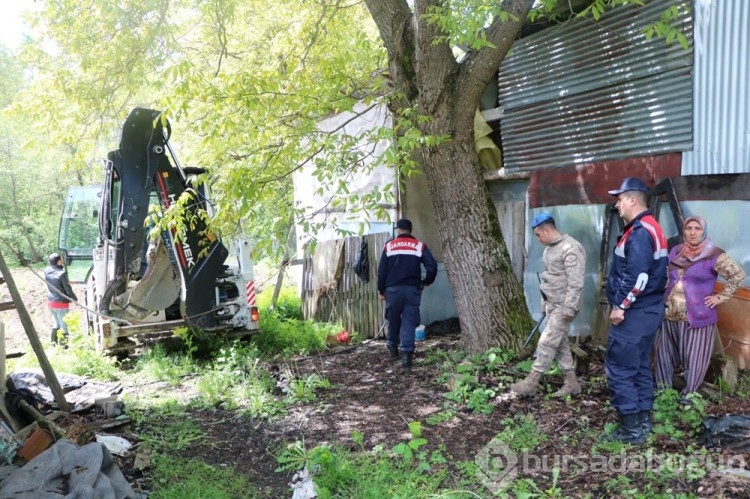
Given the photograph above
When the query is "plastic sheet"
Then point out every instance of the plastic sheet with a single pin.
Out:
(727, 432)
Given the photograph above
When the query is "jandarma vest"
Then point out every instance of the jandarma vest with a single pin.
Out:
(698, 281)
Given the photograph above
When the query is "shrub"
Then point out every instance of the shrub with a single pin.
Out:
(283, 332)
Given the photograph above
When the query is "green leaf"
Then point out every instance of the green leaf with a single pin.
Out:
(415, 427)
(682, 40)
(417, 443)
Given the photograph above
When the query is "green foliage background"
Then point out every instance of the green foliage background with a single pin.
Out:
(244, 86)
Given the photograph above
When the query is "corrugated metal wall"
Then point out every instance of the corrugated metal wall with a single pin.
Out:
(721, 123)
(589, 91)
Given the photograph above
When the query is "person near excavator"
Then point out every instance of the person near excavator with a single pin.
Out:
(59, 295)
(562, 288)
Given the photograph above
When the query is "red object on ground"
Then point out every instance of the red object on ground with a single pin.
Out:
(37, 443)
(343, 337)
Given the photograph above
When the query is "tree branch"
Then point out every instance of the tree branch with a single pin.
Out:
(439, 77)
(389, 17)
(396, 24)
(479, 67)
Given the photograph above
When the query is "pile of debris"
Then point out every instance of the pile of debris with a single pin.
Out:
(39, 458)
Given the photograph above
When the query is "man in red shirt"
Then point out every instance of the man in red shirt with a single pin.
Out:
(59, 295)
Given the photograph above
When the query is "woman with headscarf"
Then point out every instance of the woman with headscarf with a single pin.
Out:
(687, 334)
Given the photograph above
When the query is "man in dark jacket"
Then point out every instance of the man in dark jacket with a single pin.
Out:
(59, 294)
(400, 284)
(635, 292)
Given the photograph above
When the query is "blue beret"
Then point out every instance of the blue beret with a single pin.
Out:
(543, 217)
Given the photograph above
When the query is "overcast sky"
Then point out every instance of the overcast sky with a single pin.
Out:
(11, 25)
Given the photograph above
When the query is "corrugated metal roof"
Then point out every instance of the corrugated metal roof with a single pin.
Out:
(590, 91)
(721, 123)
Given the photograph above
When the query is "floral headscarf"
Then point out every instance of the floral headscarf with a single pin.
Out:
(688, 254)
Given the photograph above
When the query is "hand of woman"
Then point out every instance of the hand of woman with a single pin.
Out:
(712, 301)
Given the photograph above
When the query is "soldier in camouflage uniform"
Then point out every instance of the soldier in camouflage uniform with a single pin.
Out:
(562, 285)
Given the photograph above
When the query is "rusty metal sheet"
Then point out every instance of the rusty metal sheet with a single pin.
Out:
(589, 183)
(581, 92)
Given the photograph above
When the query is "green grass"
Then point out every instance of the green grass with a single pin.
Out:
(374, 473)
(284, 332)
(521, 433)
(234, 376)
(80, 358)
(156, 363)
(177, 478)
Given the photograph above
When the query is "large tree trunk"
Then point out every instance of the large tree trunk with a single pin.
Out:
(489, 300)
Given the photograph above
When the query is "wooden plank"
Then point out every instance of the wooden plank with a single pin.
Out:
(36, 345)
(3, 374)
(282, 267)
(352, 302)
(15, 425)
(734, 326)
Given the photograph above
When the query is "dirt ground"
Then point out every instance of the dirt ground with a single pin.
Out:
(371, 394)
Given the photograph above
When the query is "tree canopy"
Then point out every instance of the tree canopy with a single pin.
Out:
(244, 85)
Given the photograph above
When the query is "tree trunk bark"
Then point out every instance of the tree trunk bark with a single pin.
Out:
(491, 304)
(489, 300)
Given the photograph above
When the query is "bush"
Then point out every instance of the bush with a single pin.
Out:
(288, 304)
(284, 332)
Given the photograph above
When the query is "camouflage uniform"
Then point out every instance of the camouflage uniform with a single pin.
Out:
(562, 283)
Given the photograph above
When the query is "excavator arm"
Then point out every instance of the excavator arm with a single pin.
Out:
(186, 265)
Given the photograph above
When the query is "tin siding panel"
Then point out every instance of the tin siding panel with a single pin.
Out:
(722, 92)
(575, 93)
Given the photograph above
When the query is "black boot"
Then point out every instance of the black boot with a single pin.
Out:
(406, 359)
(629, 431)
(53, 335)
(644, 418)
(393, 352)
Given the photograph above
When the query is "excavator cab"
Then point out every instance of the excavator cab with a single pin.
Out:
(79, 230)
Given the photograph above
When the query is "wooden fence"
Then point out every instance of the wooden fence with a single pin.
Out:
(332, 292)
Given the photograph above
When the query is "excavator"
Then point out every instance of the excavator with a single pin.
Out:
(143, 282)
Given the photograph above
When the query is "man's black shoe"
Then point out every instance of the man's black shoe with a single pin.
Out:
(629, 431)
(394, 353)
(644, 418)
(406, 359)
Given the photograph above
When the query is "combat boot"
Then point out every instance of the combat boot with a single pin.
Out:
(528, 386)
(644, 418)
(629, 431)
(53, 336)
(406, 358)
(570, 386)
